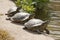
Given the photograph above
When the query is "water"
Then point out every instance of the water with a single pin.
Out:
(54, 25)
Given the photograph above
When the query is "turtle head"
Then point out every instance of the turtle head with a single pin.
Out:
(31, 16)
(46, 22)
(34, 4)
(18, 9)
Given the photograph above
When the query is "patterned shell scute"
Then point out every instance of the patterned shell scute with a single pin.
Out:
(34, 22)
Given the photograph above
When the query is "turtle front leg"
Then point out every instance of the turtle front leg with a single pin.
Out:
(8, 18)
(47, 31)
(6, 14)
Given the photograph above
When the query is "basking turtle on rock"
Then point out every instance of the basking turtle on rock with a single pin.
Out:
(36, 25)
(21, 17)
(12, 11)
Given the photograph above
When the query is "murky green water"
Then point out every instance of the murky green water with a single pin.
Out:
(54, 25)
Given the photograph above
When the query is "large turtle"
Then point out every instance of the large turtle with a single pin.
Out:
(21, 17)
(12, 11)
(36, 25)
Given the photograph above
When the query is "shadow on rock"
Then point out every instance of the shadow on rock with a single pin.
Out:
(18, 23)
(33, 32)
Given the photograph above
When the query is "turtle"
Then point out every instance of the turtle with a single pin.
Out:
(36, 25)
(12, 11)
(21, 17)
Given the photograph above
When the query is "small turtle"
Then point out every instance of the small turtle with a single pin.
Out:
(21, 17)
(36, 25)
(12, 11)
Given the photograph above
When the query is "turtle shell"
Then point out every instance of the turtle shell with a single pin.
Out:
(13, 9)
(33, 23)
(20, 16)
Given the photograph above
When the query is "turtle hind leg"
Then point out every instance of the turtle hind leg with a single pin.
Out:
(47, 31)
(39, 32)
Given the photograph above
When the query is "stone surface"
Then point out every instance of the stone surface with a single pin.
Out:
(16, 30)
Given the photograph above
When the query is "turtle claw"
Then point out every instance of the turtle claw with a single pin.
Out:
(39, 32)
(47, 31)
(7, 18)
(25, 28)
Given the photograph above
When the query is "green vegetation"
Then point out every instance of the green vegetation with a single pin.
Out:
(39, 7)
(26, 5)
(4, 35)
(42, 10)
